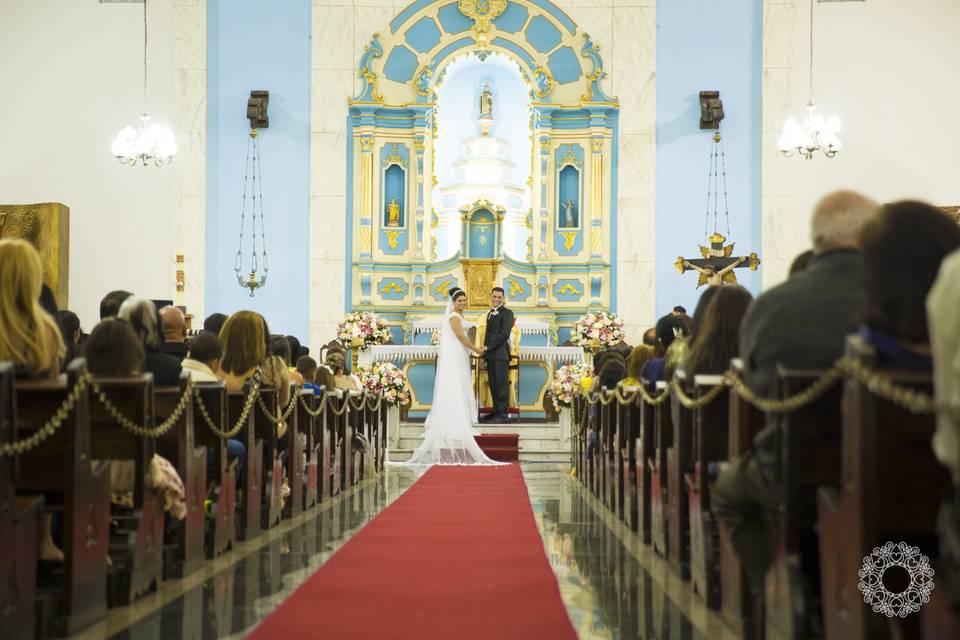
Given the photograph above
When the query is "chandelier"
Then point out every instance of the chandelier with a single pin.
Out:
(817, 133)
(148, 142)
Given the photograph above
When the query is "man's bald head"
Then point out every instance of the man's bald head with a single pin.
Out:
(173, 324)
(838, 219)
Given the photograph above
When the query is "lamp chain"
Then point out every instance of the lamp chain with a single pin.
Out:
(726, 204)
(144, 56)
(811, 50)
(263, 225)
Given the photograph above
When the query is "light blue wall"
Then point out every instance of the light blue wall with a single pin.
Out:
(252, 44)
(705, 45)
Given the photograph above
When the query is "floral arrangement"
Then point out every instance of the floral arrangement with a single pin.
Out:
(597, 330)
(362, 329)
(386, 379)
(568, 382)
(435, 338)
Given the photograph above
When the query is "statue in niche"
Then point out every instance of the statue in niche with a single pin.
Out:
(393, 213)
(569, 217)
(486, 102)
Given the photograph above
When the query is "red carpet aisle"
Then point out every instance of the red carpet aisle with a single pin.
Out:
(457, 556)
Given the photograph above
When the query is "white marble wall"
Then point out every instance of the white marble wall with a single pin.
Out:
(188, 216)
(625, 31)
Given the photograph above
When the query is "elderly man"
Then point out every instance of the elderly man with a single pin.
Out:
(802, 322)
(173, 324)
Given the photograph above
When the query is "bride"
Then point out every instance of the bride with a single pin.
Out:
(448, 434)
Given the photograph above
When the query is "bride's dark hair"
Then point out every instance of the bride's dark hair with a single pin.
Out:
(456, 292)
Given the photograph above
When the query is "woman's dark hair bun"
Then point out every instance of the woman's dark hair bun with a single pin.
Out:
(454, 291)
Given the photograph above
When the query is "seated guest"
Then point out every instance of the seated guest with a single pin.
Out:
(337, 363)
(324, 378)
(635, 363)
(677, 351)
(297, 350)
(244, 340)
(203, 363)
(901, 250)
(943, 317)
(214, 323)
(110, 305)
(142, 316)
(800, 263)
(650, 337)
(29, 336)
(611, 373)
(802, 322)
(203, 359)
(114, 350)
(307, 368)
(173, 324)
(280, 347)
(701, 309)
(668, 329)
(69, 325)
(717, 339)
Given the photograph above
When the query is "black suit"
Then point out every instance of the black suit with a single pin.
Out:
(497, 355)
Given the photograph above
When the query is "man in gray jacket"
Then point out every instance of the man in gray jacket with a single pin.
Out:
(802, 322)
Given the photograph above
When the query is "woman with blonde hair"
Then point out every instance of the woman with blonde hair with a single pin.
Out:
(28, 335)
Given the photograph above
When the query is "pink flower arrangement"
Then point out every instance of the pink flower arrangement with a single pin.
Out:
(361, 329)
(597, 330)
(568, 383)
(387, 380)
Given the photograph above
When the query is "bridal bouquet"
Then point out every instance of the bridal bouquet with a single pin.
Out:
(386, 379)
(597, 330)
(360, 329)
(568, 383)
(435, 338)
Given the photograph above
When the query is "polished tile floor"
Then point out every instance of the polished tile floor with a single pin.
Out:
(612, 585)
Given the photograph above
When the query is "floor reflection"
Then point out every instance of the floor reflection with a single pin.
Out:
(607, 590)
(230, 602)
(612, 586)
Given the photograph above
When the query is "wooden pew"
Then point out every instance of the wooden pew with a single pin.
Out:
(890, 490)
(334, 426)
(809, 457)
(736, 601)
(221, 534)
(19, 526)
(250, 504)
(606, 452)
(356, 425)
(178, 445)
(345, 437)
(679, 464)
(659, 504)
(710, 439)
(627, 442)
(295, 461)
(645, 450)
(62, 468)
(136, 541)
(312, 427)
(272, 461)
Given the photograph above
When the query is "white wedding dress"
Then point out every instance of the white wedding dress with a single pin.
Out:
(448, 431)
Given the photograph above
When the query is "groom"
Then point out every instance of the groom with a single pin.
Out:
(497, 355)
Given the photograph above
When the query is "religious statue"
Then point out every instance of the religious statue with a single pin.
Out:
(393, 213)
(710, 275)
(486, 103)
(568, 219)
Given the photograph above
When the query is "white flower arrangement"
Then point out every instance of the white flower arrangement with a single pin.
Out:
(597, 330)
(567, 383)
(387, 380)
(361, 329)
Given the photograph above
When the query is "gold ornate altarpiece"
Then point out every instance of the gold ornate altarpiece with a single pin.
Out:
(47, 226)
